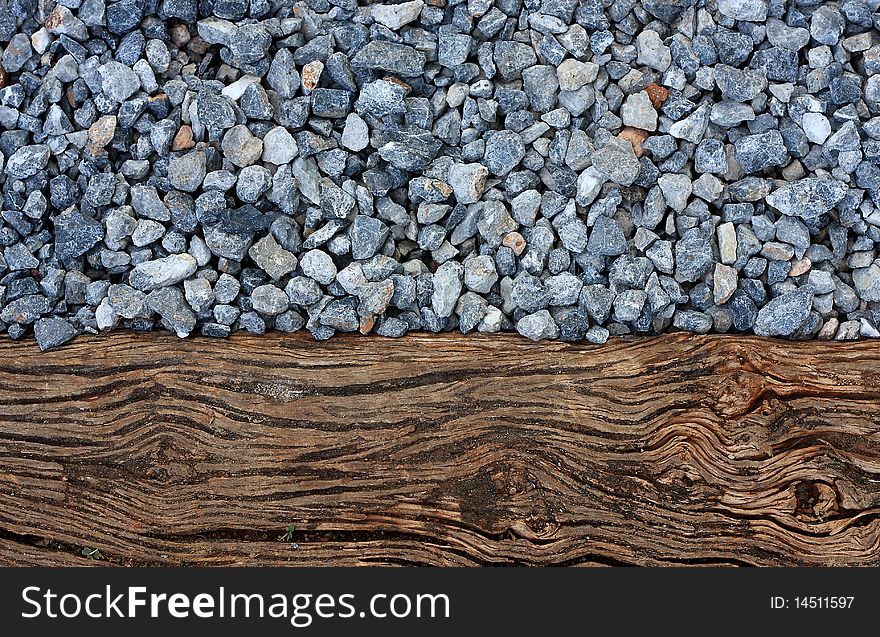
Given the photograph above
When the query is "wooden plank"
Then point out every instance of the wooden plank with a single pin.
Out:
(440, 450)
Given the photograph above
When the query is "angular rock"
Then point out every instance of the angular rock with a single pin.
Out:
(617, 161)
(386, 56)
(447, 281)
(468, 181)
(75, 234)
(785, 314)
(53, 332)
(807, 198)
(162, 272)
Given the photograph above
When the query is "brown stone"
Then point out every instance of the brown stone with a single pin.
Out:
(829, 329)
(636, 137)
(179, 34)
(800, 266)
(2, 76)
(657, 94)
(367, 324)
(515, 242)
(396, 80)
(198, 45)
(183, 139)
(311, 74)
(102, 131)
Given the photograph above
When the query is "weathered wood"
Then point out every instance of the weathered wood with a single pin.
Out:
(440, 450)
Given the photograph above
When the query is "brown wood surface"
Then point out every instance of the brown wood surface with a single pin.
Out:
(440, 450)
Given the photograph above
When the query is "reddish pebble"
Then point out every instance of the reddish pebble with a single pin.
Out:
(657, 94)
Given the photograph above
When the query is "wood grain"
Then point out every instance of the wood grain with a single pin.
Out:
(440, 450)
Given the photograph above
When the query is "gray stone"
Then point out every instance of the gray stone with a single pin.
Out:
(710, 157)
(18, 257)
(393, 58)
(563, 289)
(170, 304)
(75, 234)
(241, 147)
(693, 256)
(728, 113)
(17, 52)
(756, 153)
(607, 238)
(651, 50)
(541, 86)
(270, 300)
(214, 111)
(574, 74)
(597, 335)
(447, 282)
(330, 102)
(27, 161)
(867, 282)
(468, 181)
(724, 282)
(226, 288)
(356, 134)
(617, 161)
(676, 190)
(596, 301)
(748, 10)
(480, 274)
(272, 258)
(52, 332)
(529, 293)
(303, 291)
(147, 204)
(784, 314)
(283, 76)
(739, 85)
(252, 182)
(230, 245)
(807, 198)
(279, 147)
(25, 309)
(395, 16)
(504, 151)
(118, 82)
(453, 48)
(375, 296)
(827, 24)
(319, 266)
(162, 272)
(537, 326)
(512, 58)
(101, 189)
(380, 98)
(125, 300)
(589, 184)
(692, 321)
(495, 222)
(524, 207)
(573, 235)
(816, 127)
(146, 232)
(187, 172)
(367, 235)
(637, 111)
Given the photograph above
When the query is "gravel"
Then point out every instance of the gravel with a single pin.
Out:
(562, 169)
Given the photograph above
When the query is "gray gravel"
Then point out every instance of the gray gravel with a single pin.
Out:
(564, 169)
